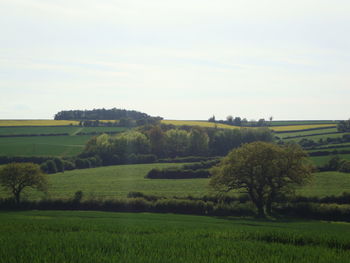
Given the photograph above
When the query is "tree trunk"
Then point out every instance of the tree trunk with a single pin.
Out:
(269, 207)
(260, 207)
(17, 197)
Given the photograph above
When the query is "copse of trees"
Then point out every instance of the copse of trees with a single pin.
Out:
(104, 114)
(238, 121)
(154, 142)
(344, 126)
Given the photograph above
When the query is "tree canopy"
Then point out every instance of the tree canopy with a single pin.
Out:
(264, 171)
(17, 176)
(102, 114)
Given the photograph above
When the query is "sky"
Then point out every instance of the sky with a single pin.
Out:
(183, 59)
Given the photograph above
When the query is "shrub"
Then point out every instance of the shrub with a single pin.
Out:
(177, 173)
(345, 167)
(51, 166)
(68, 165)
(78, 196)
(59, 164)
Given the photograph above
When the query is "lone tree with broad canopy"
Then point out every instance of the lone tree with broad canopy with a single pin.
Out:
(17, 176)
(265, 171)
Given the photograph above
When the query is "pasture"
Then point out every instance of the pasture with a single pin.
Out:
(117, 181)
(78, 236)
(43, 145)
(71, 130)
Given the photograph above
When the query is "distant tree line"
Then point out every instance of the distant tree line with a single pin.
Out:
(163, 142)
(344, 126)
(242, 122)
(103, 114)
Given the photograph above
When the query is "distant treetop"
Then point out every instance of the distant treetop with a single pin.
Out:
(102, 114)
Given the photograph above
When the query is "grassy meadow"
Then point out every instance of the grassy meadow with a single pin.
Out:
(73, 236)
(71, 130)
(117, 181)
(43, 145)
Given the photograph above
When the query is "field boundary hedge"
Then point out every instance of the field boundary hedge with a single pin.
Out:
(333, 212)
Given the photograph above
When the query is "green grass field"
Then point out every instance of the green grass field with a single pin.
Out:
(331, 149)
(317, 137)
(281, 123)
(71, 130)
(305, 133)
(322, 160)
(42, 145)
(90, 237)
(117, 181)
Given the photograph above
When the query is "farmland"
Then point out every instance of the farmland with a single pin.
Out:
(10, 123)
(117, 181)
(42, 145)
(71, 130)
(66, 236)
(77, 236)
(282, 128)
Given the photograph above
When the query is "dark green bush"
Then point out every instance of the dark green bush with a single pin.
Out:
(177, 173)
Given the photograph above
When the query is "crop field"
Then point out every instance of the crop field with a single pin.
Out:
(199, 123)
(307, 133)
(11, 123)
(89, 237)
(71, 130)
(117, 181)
(42, 145)
(311, 122)
(225, 126)
(302, 127)
(37, 123)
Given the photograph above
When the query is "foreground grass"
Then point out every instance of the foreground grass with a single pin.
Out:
(62, 236)
(117, 181)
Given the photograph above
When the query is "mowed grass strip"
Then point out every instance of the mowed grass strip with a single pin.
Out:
(112, 182)
(89, 237)
(43, 145)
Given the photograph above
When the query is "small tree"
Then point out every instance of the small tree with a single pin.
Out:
(265, 171)
(17, 176)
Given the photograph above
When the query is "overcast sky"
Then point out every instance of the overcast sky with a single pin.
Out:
(180, 59)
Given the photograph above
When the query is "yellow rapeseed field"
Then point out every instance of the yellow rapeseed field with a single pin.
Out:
(4, 123)
(199, 123)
